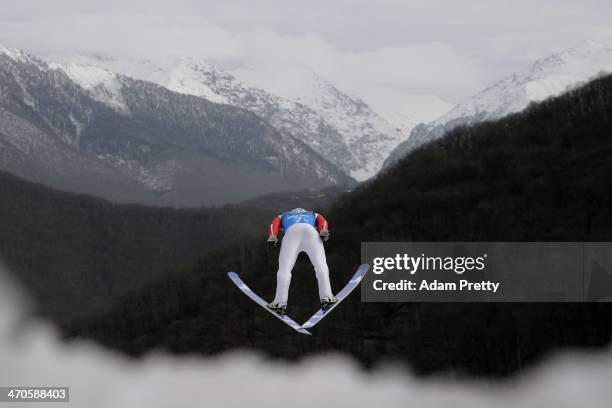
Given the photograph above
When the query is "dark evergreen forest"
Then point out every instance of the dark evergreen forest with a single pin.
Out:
(78, 254)
(541, 175)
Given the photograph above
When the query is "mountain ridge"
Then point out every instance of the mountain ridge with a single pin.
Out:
(180, 149)
(543, 78)
(342, 128)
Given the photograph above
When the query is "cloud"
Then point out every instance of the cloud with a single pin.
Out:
(416, 81)
(404, 58)
(122, 34)
(31, 353)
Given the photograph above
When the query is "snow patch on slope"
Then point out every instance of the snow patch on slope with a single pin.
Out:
(192, 78)
(14, 53)
(182, 75)
(552, 85)
(103, 85)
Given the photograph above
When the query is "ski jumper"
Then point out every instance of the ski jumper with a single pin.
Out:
(302, 230)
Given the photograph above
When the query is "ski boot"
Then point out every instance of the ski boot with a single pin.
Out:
(277, 308)
(328, 302)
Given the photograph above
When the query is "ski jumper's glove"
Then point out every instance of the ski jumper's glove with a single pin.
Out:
(273, 232)
(322, 227)
(272, 241)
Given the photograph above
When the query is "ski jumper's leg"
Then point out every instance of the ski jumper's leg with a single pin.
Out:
(286, 260)
(313, 246)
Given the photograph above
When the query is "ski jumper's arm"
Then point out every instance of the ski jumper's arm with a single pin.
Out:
(274, 226)
(321, 223)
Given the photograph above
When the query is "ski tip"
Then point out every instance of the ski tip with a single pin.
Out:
(304, 331)
(230, 274)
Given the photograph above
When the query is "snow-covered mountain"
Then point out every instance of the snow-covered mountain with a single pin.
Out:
(87, 129)
(342, 128)
(369, 136)
(544, 78)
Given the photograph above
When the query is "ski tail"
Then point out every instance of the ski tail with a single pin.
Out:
(346, 290)
(257, 299)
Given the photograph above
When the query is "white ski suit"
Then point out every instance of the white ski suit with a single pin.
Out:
(302, 230)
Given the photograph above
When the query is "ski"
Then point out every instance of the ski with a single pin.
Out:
(247, 291)
(348, 288)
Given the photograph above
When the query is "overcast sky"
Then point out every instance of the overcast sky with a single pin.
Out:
(448, 48)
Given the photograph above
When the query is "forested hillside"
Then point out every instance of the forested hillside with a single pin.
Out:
(77, 253)
(544, 174)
